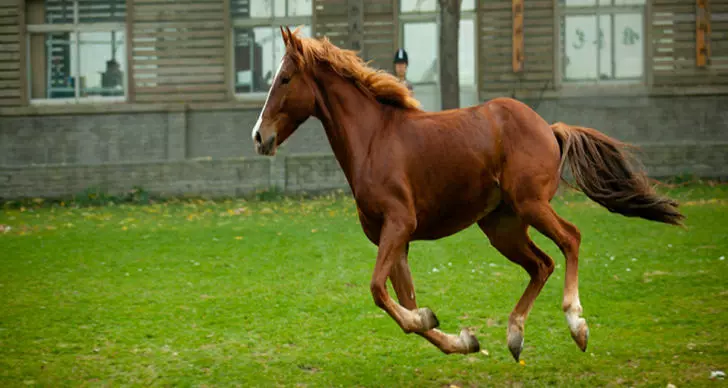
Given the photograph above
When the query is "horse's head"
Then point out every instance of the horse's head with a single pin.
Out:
(290, 100)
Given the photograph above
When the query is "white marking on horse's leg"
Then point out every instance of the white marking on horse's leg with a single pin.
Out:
(573, 316)
(256, 128)
(448, 343)
(419, 320)
(577, 325)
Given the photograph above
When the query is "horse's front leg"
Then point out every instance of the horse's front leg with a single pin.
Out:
(393, 242)
(401, 278)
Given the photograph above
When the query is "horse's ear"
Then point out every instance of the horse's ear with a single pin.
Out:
(294, 40)
(286, 39)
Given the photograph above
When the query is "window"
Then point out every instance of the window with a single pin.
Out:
(602, 40)
(76, 49)
(420, 30)
(421, 52)
(258, 45)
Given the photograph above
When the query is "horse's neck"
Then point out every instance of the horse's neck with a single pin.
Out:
(351, 121)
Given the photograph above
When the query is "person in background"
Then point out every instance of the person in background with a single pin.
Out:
(400, 67)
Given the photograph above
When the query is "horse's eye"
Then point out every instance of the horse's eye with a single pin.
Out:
(285, 80)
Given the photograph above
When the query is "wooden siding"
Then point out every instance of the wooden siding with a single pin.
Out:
(380, 23)
(178, 50)
(11, 57)
(331, 20)
(674, 61)
(718, 39)
(380, 27)
(495, 21)
(89, 11)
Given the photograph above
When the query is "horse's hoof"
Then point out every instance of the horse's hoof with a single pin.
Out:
(470, 343)
(580, 334)
(515, 343)
(428, 318)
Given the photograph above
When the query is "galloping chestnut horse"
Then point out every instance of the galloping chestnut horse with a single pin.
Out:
(419, 175)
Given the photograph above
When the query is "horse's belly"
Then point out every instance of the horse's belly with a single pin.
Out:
(454, 215)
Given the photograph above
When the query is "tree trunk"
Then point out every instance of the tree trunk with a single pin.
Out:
(449, 36)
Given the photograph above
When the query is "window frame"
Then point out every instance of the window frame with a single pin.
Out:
(636, 84)
(405, 17)
(256, 22)
(76, 29)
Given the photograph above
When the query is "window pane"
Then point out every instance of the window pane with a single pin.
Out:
(629, 2)
(604, 42)
(580, 60)
(52, 65)
(422, 52)
(578, 3)
(103, 60)
(258, 8)
(629, 50)
(418, 5)
(59, 11)
(466, 52)
(258, 52)
(97, 11)
(279, 7)
(467, 5)
(100, 11)
(267, 8)
(300, 7)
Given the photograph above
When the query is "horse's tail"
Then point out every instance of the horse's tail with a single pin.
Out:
(602, 170)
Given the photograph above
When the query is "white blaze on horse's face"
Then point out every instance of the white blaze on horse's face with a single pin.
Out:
(264, 146)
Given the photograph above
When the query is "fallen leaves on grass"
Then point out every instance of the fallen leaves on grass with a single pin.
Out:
(710, 201)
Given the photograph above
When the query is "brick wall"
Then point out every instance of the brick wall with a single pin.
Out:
(223, 177)
(645, 119)
(62, 154)
(226, 133)
(310, 173)
(84, 139)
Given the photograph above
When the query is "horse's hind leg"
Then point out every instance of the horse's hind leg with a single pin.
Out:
(402, 283)
(509, 234)
(568, 238)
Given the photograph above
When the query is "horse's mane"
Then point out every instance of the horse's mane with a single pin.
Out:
(382, 86)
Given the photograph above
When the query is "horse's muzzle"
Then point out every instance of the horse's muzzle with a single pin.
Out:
(265, 147)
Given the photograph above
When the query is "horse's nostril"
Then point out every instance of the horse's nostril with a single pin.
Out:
(258, 139)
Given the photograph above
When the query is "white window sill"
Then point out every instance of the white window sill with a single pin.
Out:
(77, 101)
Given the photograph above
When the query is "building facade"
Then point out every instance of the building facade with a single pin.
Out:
(163, 93)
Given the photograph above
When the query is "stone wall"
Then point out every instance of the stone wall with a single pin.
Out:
(83, 139)
(210, 152)
(644, 119)
(214, 178)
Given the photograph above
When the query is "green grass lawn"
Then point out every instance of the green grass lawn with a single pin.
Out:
(276, 293)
